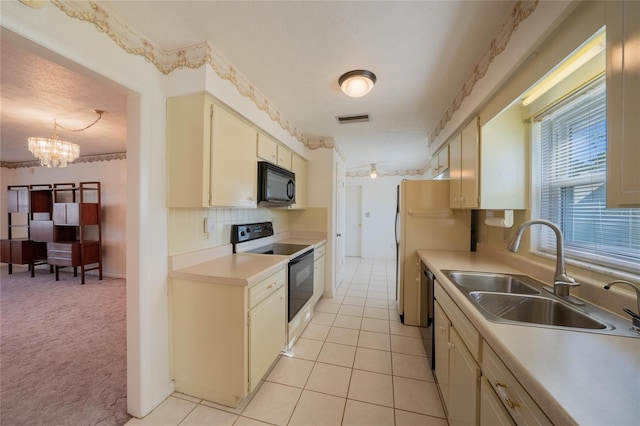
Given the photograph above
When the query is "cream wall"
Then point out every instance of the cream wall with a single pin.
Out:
(112, 176)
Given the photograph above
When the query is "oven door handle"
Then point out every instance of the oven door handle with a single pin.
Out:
(300, 258)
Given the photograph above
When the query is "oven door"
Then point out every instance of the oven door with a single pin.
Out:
(300, 282)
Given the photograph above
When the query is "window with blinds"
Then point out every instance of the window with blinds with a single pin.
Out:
(570, 148)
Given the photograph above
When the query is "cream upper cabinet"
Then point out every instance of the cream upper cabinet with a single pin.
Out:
(284, 157)
(211, 157)
(463, 169)
(623, 104)
(233, 163)
(503, 156)
(267, 148)
(488, 166)
(299, 167)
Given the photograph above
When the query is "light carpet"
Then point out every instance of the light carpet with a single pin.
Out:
(62, 350)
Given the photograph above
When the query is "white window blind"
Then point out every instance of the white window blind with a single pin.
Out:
(571, 147)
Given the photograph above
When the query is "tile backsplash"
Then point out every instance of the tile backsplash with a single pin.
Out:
(188, 228)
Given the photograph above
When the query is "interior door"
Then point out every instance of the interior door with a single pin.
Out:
(353, 221)
(340, 241)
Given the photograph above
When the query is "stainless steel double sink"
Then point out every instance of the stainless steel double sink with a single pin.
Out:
(522, 300)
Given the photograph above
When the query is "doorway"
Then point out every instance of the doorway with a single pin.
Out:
(353, 221)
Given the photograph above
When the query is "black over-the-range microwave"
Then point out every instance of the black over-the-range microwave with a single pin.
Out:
(276, 186)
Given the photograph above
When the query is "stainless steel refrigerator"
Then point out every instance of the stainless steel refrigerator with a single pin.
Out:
(424, 221)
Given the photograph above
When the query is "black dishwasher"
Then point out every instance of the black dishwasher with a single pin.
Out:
(426, 311)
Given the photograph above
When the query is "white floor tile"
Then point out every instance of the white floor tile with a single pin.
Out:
(344, 336)
(324, 306)
(376, 303)
(376, 325)
(346, 321)
(245, 421)
(329, 379)
(417, 396)
(354, 311)
(170, 412)
(358, 413)
(273, 403)
(405, 330)
(318, 409)
(376, 313)
(355, 301)
(382, 295)
(373, 340)
(323, 318)
(336, 354)
(373, 360)
(291, 371)
(306, 349)
(405, 418)
(203, 415)
(316, 332)
(371, 387)
(411, 366)
(407, 345)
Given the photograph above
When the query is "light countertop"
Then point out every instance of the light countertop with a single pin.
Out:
(219, 265)
(575, 377)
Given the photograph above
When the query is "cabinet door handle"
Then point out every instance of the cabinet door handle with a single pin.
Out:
(511, 404)
(498, 384)
(270, 285)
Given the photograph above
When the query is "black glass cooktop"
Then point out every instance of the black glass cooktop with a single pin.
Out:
(279, 248)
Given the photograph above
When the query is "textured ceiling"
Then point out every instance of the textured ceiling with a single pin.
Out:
(293, 53)
(37, 90)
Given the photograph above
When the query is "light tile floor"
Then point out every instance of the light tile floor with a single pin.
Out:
(355, 364)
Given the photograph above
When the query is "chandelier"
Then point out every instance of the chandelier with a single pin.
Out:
(53, 152)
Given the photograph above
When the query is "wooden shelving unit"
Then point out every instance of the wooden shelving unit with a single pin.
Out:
(57, 224)
(77, 211)
(26, 205)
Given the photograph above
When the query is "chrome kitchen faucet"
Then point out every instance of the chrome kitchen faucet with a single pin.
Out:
(561, 281)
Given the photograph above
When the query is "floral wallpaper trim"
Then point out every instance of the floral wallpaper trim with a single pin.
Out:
(83, 159)
(518, 13)
(192, 57)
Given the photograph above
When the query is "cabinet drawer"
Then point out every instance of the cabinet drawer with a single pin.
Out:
(319, 252)
(466, 330)
(515, 399)
(264, 288)
(70, 253)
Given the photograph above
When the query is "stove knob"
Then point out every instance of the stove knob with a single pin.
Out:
(248, 230)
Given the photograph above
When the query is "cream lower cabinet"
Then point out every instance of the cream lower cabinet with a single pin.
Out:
(441, 337)
(456, 359)
(464, 379)
(267, 335)
(515, 400)
(224, 337)
(318, 273)
(211, 154)
(492, 412)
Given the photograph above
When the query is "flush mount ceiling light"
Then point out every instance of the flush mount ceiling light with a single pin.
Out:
(373, 173)
(53, 152)
(357, 83)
